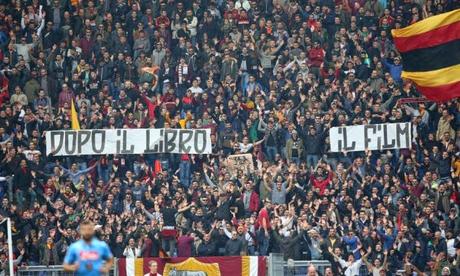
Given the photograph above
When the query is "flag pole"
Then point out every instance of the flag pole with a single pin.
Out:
(10, 246)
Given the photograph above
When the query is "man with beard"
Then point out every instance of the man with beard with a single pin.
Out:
(89, 255)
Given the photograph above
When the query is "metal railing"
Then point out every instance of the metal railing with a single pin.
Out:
(53, 270)
(277, 266)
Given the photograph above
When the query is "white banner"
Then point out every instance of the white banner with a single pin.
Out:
(371, 137)
(128, 141)
(242, 162)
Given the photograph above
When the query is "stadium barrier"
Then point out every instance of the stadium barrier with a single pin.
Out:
(258, 266)
(196, 266)
(53, 270)
(278, 266)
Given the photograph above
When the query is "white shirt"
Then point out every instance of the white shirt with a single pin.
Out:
(148, 274)
(376, 271)
(30, 154)
(132, 252)
(353, 269)
(245, 148)
(450, 247)
(192, 26)
(196, 90)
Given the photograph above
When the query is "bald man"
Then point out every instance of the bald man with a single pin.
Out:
(312, 271)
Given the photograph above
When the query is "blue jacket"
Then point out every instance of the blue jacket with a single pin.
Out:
(388, 240)
(395, 70)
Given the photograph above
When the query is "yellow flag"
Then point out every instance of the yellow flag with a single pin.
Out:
(74, 123)
(182, 123)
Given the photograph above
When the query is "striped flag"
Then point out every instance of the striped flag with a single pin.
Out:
(252, 266)
(131, 266)
(430, 51)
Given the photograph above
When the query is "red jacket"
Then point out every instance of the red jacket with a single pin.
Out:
(86, 45)
(4, 96)
(321, 183)
(312, 24)
(316, 56)
(184, 246)
(253, 201)
(162, 20)
(150, 106)
(263, 213)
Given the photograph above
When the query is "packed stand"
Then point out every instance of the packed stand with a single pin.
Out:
(269, 78)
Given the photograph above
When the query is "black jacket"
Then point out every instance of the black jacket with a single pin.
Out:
(207, 249)
(314, 143)
(234, 247)
(289, 246)
(22, 179)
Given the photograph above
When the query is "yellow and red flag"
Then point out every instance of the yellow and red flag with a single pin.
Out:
(430, 51)
(215, 266)
(74, 123)
(151, 70)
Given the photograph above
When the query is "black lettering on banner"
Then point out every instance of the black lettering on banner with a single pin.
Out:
(366, 135)
(94, 139)
(118, 141)
(379, 138)
(131, 148)
(54, 148)
(83, 138)
(148, 143)
(339, 141)
(403, 131)
(185, 136)
(197, 140)
(170, 138)
(157, 147)
(161, 145)
(70, 148)
(343, 130)
(386, 145)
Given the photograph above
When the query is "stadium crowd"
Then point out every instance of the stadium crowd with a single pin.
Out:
(269, 78)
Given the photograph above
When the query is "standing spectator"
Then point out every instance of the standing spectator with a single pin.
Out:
(19, 97)
(131, 250)
(141, 44)
(66, 96)
(234, 246)
(184, 244)
(351, 266)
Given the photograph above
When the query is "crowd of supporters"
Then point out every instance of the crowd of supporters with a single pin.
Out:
(269, 78)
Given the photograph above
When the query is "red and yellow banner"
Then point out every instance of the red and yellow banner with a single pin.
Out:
(216, 266)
